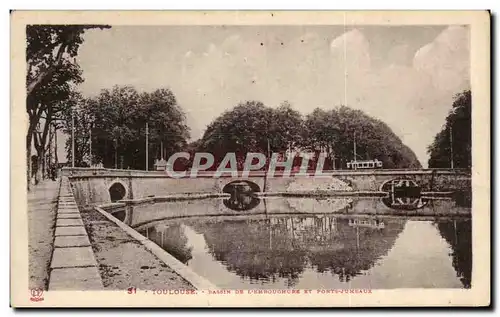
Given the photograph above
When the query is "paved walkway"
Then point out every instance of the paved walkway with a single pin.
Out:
(42, 200)
(73, 264)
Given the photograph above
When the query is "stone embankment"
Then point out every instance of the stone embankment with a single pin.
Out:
(318, 184)
(73, 265)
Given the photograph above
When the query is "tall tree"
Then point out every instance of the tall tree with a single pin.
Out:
(322, 132)
(452, 145)
(52, 98)
(48, 47)
(286, 130)
(334, 132)
(51, 71)
(77, 112)
(253, 127)
(116, 120)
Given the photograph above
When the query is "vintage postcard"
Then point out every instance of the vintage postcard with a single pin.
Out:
(250, 159)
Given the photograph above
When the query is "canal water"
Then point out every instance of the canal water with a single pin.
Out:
(307, 243)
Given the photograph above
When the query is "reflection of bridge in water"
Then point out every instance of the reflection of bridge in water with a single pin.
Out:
(283, 247)
(283, 237)
(258, 207)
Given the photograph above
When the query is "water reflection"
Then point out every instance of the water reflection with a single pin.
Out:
(463, 198)
(406, 194)
(310, 243)
(124, 214)
(363, 241)
(120, 214)
(170, 237)
(405, 203)
(458, 234)
(242, 196)
(402, 188)
(283, 247)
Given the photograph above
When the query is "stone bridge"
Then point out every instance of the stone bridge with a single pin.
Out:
(97, 186)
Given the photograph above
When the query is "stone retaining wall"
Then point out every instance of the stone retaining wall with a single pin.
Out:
(92, 185)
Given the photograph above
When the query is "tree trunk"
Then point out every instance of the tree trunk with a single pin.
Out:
(28, 158)
(40, 147)
(47, 73)
(39, 172)
(46, 130)
(29, 140)
(34, 117)
(38, 159)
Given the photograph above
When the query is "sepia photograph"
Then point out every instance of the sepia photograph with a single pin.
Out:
(184, 159)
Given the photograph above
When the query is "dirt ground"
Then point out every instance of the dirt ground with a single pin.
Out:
(124, 262)
(42, 200)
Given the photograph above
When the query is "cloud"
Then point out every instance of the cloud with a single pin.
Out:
(398, 54)
(210, 75)
(351, 50)
(446, 59)
(413, 100)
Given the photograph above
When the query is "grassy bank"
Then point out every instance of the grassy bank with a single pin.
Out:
(124, 262)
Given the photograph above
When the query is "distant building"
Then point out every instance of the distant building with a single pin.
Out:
(160, 165)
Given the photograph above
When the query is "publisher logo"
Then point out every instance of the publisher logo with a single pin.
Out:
(36, 295)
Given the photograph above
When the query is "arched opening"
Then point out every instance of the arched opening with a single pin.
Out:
(120, 215)
(243, 185)
(404, 187)
(242, 195)
(117, 192)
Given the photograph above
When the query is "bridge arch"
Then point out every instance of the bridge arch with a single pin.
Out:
(118, 190)
(408, 182)
(124, 215)
(251, 185)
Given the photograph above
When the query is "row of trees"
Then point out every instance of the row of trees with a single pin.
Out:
(253, 127)
(452, 145)
(52, 74)
(117, 120)
(114, 122)
(114, 125)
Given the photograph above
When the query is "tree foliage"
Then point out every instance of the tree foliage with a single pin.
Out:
(251, 126)
(52, 73)
(334, 131)
(117, 119)
(456, 135)
(50, 47)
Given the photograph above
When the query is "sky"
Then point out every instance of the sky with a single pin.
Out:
(406, 76)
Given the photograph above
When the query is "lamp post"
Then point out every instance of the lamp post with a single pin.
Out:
(451, 145)
(72, 138)
(116, 153)
(147, 147)
(90, 143)
(452, 119)
(355, 155)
